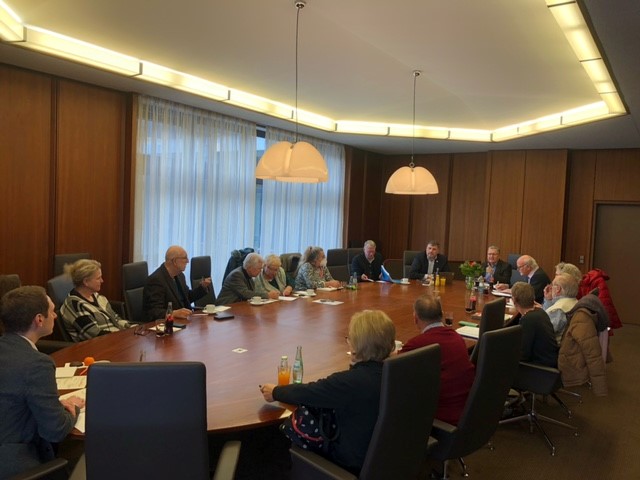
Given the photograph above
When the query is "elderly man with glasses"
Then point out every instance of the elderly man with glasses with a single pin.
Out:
(168, 284)
(532, 274)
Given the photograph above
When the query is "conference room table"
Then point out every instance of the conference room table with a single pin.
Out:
(242, 353)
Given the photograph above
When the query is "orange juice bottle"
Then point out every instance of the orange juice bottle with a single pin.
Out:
(284, 372)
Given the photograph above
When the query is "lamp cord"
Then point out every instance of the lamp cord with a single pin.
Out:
(299, 5)
(416, 74)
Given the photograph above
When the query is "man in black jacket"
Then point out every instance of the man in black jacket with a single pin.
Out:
(368, 264)
(429, 261)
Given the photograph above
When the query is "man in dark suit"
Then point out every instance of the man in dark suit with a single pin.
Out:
(429, 261)
(31, 415)
(533, 275)
(496, 270)
(168, 284)
(368, 264)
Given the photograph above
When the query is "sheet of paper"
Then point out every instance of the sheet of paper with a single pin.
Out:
(287, 299)
(80, 422)
(471, 332)
(501, 293)
(70, 383)
(65, 372)
(327, 289)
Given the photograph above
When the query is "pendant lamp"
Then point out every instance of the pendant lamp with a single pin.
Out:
(297, 162)
(412, 180)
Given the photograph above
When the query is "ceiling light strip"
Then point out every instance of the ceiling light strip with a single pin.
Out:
(11, 29)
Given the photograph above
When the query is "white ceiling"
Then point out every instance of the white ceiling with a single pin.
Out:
(486, 64)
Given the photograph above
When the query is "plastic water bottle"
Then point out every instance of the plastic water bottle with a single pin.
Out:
(298, 369)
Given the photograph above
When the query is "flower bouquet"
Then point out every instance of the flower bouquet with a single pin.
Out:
(471, 270)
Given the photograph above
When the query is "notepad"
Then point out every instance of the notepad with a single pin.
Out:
(470, 332)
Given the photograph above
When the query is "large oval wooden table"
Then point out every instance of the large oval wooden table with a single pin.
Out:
(265, 333)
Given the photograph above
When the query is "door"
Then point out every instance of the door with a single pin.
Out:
(616, 252)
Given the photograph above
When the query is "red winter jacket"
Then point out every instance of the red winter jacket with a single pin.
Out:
(598, 279)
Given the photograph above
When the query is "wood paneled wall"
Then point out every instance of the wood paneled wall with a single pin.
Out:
(62, 150)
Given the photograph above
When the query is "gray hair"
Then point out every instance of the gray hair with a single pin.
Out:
(493, 247)
(369, 243)
(570, 269)
(252, 260)
(272, 259)
(567, 283)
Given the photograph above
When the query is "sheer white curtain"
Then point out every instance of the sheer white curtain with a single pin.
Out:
(296, 215)
(195, 183)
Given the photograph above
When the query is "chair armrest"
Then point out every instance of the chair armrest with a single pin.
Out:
(41, 471)
(228, 460)
(118, 307)
(307, 464)
(431, 443)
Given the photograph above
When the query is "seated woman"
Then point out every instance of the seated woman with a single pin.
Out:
(353, 393)
(313, 271)
(85, 313)
(273, 278)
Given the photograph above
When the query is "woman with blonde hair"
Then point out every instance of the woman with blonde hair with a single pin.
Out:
(86, 313)
(354, 394)
(313, 271)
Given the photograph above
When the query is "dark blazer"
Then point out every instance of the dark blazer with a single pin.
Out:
(420, 265)
(355, 396)
(539, 343)
(161, 289)
(360, 265)
(502, 273)
(538, 281)
(31, 415)
(237, 287)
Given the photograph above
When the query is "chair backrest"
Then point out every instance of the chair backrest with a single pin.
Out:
(512, 258)
(134, 278)
(394, 267)
(61, 259)
(407, 260)
(352, 252)
(498, 362)
(337, 262)
(146, 420)
(492, 319)
(201, 268)
(236, 259)
(9, 282)
(447, 277)
(408, 400)
(58, 289)
(290, 262)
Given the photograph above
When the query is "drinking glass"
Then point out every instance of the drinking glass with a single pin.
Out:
(448, 319)
(284, 375)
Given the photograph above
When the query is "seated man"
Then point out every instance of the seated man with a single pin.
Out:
(239, 284)
(31, 415)
(496, 270)
(429, 261)
(457, 372)
(168, 284)
(538, 340)
(560, 298)
(368, 264)
(533, 274)
(273, 278)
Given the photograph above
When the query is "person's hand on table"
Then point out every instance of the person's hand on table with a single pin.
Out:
(364, 277)
(501, 286)
(287, 290)
(71, 403)
(182, 313)
(267, 391)
(273, 295)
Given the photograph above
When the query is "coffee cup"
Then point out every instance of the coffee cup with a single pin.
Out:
(310, 291)
(405, 280)
(210, 308)
(256, 299)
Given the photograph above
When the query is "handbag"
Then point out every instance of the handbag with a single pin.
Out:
(311, 428)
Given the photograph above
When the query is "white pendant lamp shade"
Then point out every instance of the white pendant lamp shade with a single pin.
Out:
(298, 162)
(412, 181)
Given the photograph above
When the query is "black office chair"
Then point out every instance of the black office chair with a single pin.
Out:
(496, 369)
(61, 259)
(352, 252)
(535, 380)
(58, 289)
(149, 420)
(512, 258)
(134, 278)
(201, 268)
(407, 260)
(394, 267)
(408, 400)
(337, 262)
(492, 319)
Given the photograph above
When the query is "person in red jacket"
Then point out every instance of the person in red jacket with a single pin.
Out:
(457, 372)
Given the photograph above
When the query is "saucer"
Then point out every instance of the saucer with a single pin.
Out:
(405, 283)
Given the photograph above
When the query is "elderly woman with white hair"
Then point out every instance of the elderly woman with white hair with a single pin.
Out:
(239, 285)
(87, 314)
(273, 278)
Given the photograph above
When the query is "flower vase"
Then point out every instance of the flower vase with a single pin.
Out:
(469, 282)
